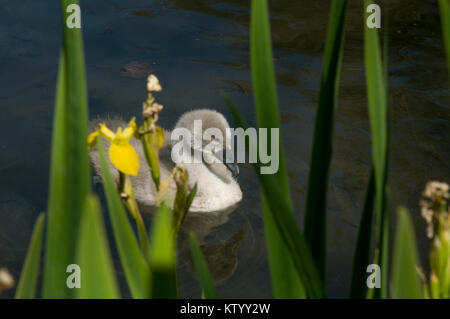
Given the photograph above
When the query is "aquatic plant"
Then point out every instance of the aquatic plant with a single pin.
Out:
(376, 198)
(408, 278)
(297, 261)
(75, 230)
(444, 6)
(436, 212)
(121, 153)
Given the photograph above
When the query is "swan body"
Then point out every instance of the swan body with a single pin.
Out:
(217, 189)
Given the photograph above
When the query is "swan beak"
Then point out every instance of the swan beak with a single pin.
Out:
(232, 166)
(234, 169)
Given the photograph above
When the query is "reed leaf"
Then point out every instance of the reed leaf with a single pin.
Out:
(136, 268)
(151, 143)
(126, 187)
(201, 268)
(296, 268)
(26, 288)
(162, 256)
(444, 6)
(377, 100)
(69, 173)
(94, 258)
(283, 229)
(405, 282)
(363, 247)
(316, 200)
(292, 238)
(285, 280)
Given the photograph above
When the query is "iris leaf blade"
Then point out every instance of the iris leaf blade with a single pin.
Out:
(363, 247)
(26, 288)
(162, 256)
(316, 200)
(136, 268)
(405, 282)
(377, 102)
(69, 173)
(94, 258)
(286, 237)
(201, 268)
(444, 6)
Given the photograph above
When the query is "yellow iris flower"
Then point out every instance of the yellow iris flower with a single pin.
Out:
(121, 153)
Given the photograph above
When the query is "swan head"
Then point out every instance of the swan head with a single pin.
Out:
(207, 134)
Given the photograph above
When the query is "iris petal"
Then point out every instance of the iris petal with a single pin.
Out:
(125, 158)
(92, 139)
(106, 133)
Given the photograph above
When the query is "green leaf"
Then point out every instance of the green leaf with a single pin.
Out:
(136, 269)
(316, 200)
(26, 289)
(444, 6)
(377, 100)
(286, 282)
(97, 272)
(405, 282)
(189, 200)
(150, 144)
(187, 205)
(290, 234)
(266, 103)
(126, 187)
(363, 245)
(281, 225)
(201, 268)
(162, 256)
(69, 173)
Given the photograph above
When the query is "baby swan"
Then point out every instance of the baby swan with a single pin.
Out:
(217, 189)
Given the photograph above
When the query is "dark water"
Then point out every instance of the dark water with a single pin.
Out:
(197, 48)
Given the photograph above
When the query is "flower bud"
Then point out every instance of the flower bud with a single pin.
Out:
(153, 84)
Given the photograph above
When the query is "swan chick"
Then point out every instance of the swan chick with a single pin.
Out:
(217, 188)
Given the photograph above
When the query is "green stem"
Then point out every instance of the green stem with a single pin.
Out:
(149, 143)
(127, 194)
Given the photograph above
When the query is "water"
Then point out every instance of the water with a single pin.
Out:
(198, 48)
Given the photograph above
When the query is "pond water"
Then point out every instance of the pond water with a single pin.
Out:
(198, 48)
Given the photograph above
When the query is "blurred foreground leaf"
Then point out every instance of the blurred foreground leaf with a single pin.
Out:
(316, 201)
(405, 281)
(363, 247)
(26, 289)
(162, 256)
(201, 268)
(136, 268)
(98, 279)
(69, 173)
(286, 282)
(444, 6)
(377, 100)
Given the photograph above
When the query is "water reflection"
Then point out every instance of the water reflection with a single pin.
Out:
(222, 257)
